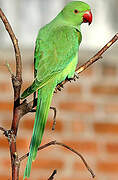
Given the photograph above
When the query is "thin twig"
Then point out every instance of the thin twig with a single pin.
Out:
(52, 175)
(16, 82)
(54, 118)
(67, 147)
(2, 129)
(96, 57)
(41, 147)
(81, 157)
(15, 44)
(9, 69)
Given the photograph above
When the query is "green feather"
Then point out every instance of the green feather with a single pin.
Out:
(43, 105)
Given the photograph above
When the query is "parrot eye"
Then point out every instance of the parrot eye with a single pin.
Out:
(76, 11)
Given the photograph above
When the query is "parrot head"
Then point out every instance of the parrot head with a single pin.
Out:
(76, 13)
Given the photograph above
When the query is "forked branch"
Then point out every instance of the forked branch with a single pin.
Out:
(65, 146)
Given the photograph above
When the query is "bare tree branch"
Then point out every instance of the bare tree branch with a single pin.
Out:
(2, 129)
(53, 174)
(54, 118)
(16, 81)
(95, 58)
(15, 44)
(67, 147)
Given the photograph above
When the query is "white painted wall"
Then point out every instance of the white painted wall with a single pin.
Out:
(26, 17)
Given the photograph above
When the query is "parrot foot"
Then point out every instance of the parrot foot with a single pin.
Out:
(69, 79)
(54, 118)
(58, 87)
(61, 85)
(76, 76)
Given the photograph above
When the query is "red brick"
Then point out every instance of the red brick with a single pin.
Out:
(106, 128)
(6, 163)
(79, 166)
(109, 70)
(48, 164)
(5, 87)
(4, 68)
(75, 178)
(82, 107)
(6, 106)
(111, 108)
(4, 142)
(58, 126)
(42, 178)
(29, 123)
(88, 72)
(74, 89)
(7, 122)
(105, 89)
(107, 167)
(4, 177)
(84, 146)
(78, 126)
(22, 144)
(112, 148)
(21, 178)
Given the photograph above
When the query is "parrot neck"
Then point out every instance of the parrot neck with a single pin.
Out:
(60, 20)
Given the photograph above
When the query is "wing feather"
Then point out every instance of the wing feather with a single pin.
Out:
(55, 52)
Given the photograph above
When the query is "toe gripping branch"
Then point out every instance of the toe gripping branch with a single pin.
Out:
(61, 85)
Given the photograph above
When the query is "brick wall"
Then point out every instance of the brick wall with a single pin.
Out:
(87, 114)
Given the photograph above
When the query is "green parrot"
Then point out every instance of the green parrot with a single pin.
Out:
(55, 59)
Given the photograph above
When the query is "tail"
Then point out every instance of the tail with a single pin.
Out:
(43, 105)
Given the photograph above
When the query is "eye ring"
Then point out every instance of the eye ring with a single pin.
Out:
(76, 11)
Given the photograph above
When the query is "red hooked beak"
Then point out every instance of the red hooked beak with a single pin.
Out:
(87, 17)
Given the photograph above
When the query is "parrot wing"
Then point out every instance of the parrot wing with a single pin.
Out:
(55, 53)
(52, 55)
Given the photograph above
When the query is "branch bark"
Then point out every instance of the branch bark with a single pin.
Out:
(16, 81)
(53, 174)
(65, 146)
(95, 58)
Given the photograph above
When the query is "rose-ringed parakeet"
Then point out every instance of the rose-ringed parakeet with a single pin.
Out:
(56, 57)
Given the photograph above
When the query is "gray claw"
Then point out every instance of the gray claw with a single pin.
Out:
(76, 75)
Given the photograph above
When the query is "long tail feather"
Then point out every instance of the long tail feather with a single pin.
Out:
(43, 105)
